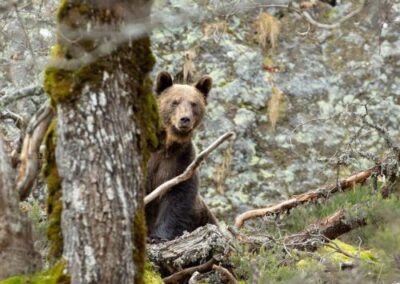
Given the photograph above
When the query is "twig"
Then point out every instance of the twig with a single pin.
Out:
(20, 94)
(190, 170)
(226, 273)
(28, 41)
(306, 197)
(29, 157)
(389, 141)
(309, 19)
(178, 276)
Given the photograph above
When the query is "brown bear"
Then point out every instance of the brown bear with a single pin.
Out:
(181, 108)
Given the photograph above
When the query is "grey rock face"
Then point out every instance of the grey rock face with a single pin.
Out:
(327, 76)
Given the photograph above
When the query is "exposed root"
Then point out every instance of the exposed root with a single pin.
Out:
(29, 167)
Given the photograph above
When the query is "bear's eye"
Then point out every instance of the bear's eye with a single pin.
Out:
(175, 103)
(193, 104)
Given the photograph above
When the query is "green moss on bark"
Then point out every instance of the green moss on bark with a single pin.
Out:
(54, 204)
(54, 275)
(139, 251)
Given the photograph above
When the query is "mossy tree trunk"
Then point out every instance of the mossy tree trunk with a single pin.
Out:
(17, 254)
(106, 120)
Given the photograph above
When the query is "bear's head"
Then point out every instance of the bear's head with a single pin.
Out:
(181, 107)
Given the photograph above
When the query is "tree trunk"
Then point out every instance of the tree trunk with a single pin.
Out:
(106, 115)
(17, 254)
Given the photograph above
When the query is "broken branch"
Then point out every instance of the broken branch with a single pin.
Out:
(190, 170)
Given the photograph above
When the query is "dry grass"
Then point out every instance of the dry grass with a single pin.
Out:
(267, 28)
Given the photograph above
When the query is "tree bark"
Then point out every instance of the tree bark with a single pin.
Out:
(104, 120)
(17, 254)
(191, 249)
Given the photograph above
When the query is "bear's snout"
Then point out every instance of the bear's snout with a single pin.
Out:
(184, 121)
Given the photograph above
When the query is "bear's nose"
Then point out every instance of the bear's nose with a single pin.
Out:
(185, 120)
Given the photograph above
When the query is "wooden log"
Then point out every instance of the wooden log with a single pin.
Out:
(190, 249)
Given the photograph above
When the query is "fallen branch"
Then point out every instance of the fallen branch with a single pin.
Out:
(306, 197)
(226, 273)
(190, 170)
(313, 22)
(178, 276)
(29, 157)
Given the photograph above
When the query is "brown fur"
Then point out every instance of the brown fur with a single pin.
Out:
(182, 109)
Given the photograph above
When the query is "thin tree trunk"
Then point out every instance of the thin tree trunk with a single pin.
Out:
(101, 91)
(17, 254)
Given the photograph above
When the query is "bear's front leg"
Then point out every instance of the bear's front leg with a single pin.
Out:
(177, 212)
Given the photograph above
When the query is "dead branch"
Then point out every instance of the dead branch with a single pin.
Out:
(20, 94)
(226, 273)
(313, 22)
(190, 170)
(306, 197)
(178, 276)
(29, 157)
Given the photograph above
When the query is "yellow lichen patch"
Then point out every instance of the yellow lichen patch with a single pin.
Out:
(308, 264)
(150, 276)
(333, 251)
(336, 252)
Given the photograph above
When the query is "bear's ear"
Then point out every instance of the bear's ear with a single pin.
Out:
(163, 81)
(204, 85)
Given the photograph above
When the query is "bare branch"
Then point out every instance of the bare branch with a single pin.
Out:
(313, 22)
(190, 170)
(29, 157)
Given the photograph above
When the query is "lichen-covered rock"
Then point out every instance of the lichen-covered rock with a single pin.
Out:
(327, 76)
